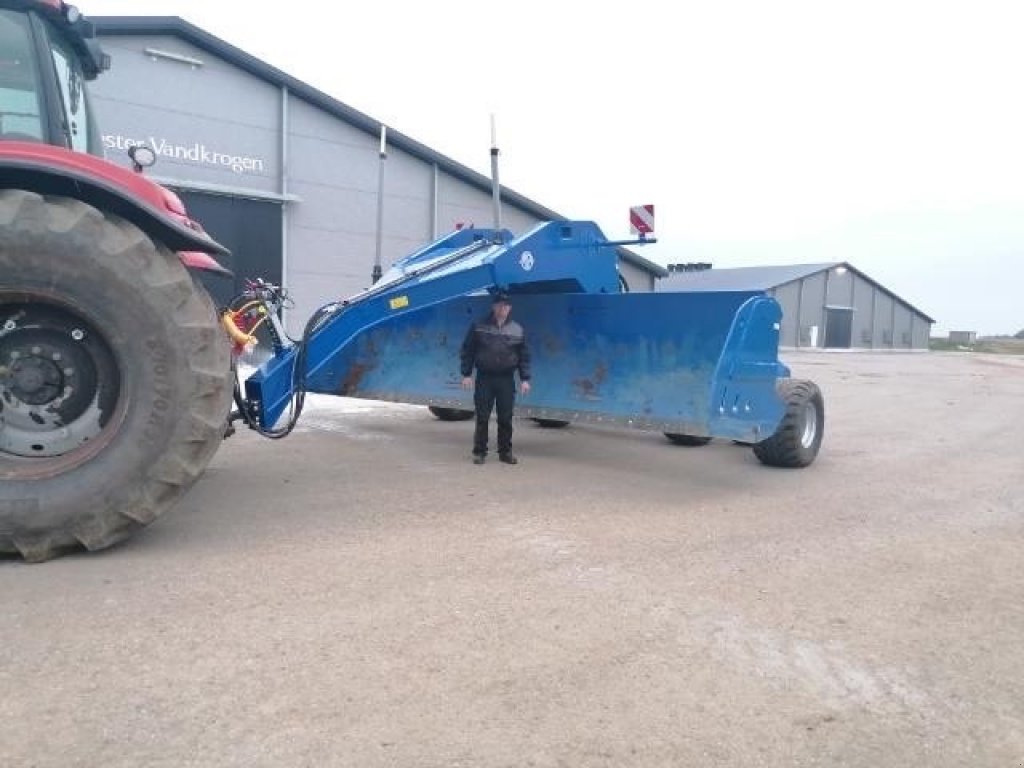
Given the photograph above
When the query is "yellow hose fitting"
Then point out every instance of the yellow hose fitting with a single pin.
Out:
(236, 334)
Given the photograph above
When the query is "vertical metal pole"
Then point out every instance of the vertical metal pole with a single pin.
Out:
(495, 186)
(799, 313)
(824, 310)
(377, 271)
(853, 304)
(285, 129)
(892, 324)
(874, 310)
(434, 204)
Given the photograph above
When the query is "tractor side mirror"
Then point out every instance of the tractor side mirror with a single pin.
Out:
(142, 157)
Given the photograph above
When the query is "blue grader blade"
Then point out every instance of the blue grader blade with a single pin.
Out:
(702, 364)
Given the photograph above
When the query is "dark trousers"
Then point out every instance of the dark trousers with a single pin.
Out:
(494, 390)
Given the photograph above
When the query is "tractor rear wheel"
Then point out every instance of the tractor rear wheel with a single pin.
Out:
(114, 377)
(797, 439)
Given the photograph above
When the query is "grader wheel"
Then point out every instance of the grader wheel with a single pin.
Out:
(797, 440)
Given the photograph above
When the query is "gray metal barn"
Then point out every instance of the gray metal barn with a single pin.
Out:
(281, 173)
(832, 305)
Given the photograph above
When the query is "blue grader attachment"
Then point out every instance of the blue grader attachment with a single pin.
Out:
(692, 365)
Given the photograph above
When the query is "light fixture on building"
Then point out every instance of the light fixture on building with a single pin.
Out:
(840, 270)
(156, 53)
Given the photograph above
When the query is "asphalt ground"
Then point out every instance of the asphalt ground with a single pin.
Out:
(360, 594)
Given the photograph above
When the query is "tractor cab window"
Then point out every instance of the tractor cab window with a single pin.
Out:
(75, 112)
(21, 115)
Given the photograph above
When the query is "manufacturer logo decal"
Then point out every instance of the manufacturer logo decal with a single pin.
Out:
(526, 261)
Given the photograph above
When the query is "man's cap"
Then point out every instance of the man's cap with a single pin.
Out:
(501, 298)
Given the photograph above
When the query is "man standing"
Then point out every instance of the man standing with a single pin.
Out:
(496, 347)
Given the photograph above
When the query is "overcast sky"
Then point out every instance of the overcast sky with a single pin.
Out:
(886, 134)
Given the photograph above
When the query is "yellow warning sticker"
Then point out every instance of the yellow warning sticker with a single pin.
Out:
(399, 302)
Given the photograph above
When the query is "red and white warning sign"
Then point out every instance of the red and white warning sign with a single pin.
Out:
(641, 219)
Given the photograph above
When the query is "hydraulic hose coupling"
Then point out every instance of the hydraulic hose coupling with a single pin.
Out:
(237, 327)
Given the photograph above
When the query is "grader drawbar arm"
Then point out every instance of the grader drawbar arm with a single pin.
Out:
(692, 365)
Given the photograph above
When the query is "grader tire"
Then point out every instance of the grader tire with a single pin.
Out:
(690, 440)
(114, 377)
(550, 423)
(797, 439)
(450, 414)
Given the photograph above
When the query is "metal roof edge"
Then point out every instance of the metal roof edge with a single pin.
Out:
(764, 283)
(864, 276)
(813, 269)
(636, 259)
(881, 287)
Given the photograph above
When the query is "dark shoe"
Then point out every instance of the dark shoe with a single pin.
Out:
(478, 459)
(508, 458)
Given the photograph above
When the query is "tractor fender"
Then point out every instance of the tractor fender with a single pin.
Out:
(154, 209)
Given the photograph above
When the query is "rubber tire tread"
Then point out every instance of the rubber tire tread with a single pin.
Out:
(550, 423)
(784, 448)
(450, 414)
(693, 441)
(175, 365)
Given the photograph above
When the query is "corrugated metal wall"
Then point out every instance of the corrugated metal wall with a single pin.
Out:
(788, 296)
(863, 299)
(812, 311)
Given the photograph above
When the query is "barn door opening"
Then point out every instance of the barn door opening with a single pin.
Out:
(838, 328)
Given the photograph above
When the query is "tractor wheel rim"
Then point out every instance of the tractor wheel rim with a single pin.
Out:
(59, 381)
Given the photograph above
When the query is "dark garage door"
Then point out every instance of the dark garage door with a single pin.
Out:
(251, 229)
(838, 327)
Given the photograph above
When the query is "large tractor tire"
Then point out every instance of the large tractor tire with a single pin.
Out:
(797, 439)
(450, 414)
(114, 377)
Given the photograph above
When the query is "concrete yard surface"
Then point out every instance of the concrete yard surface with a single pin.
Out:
(359, 594)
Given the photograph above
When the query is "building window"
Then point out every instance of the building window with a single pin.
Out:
(20, 113)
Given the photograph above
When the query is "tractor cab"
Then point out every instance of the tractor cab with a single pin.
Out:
(47, 53)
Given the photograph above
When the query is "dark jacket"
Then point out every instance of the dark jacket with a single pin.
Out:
(495, 350)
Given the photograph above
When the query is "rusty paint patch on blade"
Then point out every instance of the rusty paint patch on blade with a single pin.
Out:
(353, 378)
(589, 388)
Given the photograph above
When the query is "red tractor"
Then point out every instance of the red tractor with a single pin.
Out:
(115, 375)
